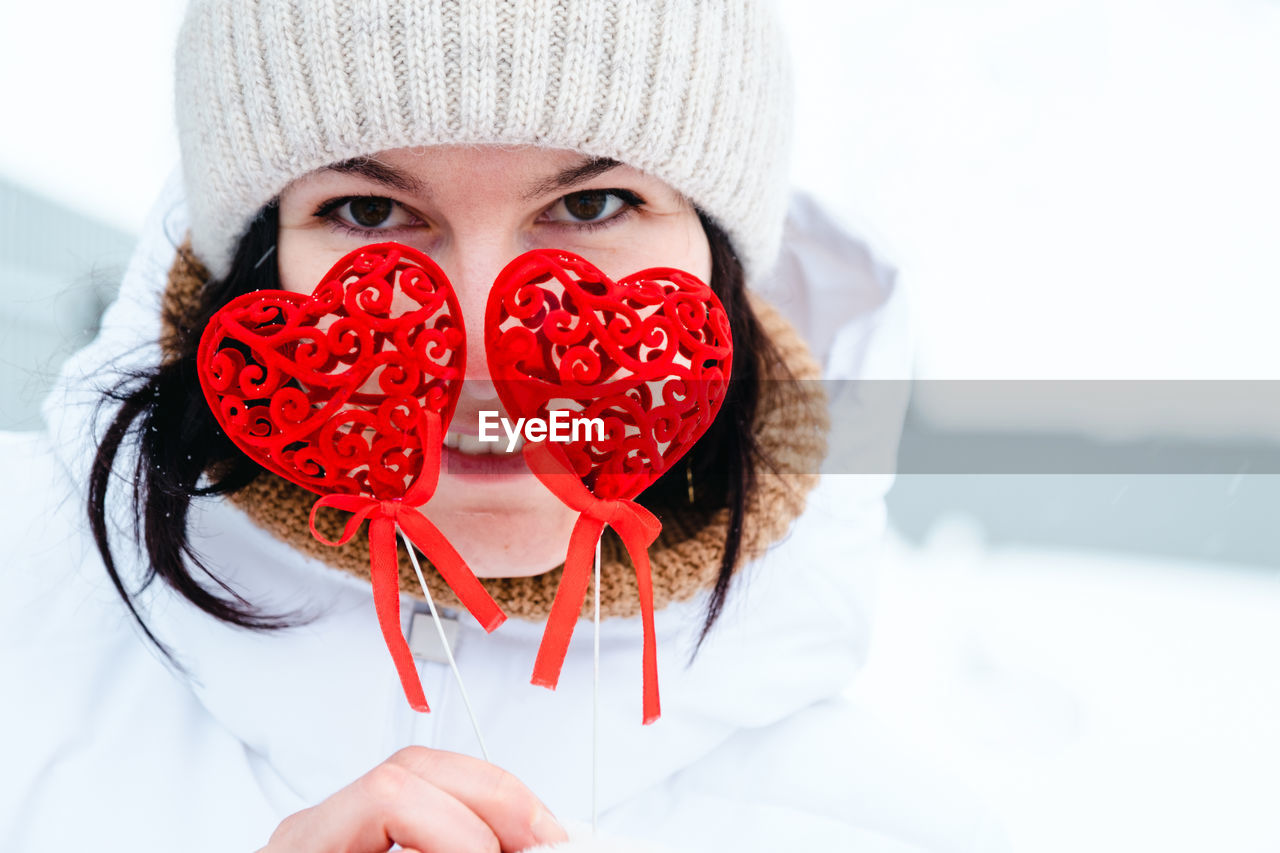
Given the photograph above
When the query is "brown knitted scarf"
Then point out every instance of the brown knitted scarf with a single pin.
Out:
(791, 429)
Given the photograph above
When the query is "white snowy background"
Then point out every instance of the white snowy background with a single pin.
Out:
(1080, 189)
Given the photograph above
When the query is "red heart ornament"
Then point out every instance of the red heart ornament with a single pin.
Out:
(650, 355)
(347, 392)
(330, 390)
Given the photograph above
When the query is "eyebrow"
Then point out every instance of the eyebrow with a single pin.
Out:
(585, 170)
(381, 173)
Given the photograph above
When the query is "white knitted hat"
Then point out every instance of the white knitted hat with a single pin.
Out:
(695, 92)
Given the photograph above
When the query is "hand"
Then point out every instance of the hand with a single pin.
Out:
(427, 801)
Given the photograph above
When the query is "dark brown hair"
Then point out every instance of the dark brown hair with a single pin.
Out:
(163, 411)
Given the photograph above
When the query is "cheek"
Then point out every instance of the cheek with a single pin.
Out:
(299, 267)
(685, 246)
(676, 241)
(694, 250)
(698, 255)
(303, 258)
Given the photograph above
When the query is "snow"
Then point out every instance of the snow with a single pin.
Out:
(1073, 189)
(1097, 702)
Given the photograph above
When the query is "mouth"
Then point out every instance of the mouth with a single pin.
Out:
(473, 446)
(467, 456)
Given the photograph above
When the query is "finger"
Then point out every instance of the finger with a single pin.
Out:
(516, 816)
(388, 805)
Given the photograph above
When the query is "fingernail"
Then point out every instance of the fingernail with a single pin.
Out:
(546, 828)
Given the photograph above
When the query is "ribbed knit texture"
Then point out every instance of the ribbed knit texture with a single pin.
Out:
(695, 92)
(791, 428)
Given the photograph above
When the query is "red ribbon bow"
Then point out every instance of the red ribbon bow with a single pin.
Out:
(636, 527)
(384, 517)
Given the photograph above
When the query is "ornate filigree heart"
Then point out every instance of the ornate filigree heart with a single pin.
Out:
(331, 390)
(649, 355)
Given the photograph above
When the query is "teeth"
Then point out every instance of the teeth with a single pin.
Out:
(472, 445)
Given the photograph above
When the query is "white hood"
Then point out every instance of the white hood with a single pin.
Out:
(319, 705)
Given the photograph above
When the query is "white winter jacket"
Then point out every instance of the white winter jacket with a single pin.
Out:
(104, 748)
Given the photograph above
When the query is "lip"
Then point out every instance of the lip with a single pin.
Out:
(483, 467)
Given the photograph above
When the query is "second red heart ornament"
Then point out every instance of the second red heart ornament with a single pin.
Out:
(650, 355)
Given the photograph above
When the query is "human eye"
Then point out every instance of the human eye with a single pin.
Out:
(366, 215)
(592, 209)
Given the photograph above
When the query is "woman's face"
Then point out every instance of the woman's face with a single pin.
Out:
(474, 209)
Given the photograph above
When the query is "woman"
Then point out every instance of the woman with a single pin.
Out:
(634, 134)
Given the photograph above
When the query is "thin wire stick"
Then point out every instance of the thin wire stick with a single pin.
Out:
(444, 641)
(595, 704)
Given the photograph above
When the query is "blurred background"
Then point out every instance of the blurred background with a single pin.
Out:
(1073, 191)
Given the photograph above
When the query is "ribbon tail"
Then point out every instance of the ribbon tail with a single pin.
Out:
(431, 431)
(385, 574)
(455, 571)
(637, 547)
(568, 602)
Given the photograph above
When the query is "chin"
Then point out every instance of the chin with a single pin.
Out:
(504, 527)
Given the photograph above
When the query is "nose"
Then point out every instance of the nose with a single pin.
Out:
(479, 389)
(472, 266)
